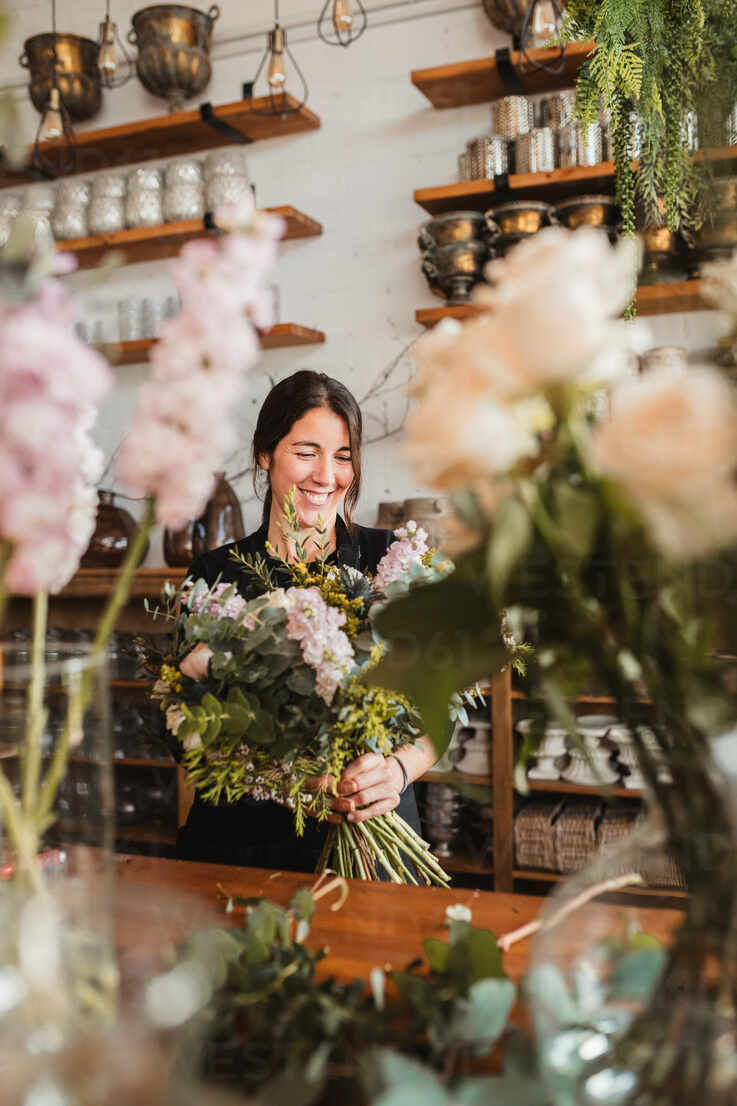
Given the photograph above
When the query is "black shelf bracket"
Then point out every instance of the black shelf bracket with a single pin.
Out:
(509, 76)
(207, 115)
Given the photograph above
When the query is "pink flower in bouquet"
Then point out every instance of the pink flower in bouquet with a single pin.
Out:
(182, 427)
(49, 384)
(401, 555)
(325, 647)
(232, 607)
(195, 664)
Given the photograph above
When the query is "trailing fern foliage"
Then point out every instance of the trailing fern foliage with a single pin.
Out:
(654, 62)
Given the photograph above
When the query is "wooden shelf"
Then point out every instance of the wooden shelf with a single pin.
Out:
(602, 792)
(454, 778)
(179, 132)
(553, 186)
(129, 762)
(280, 336)
(651, 299)
(475, 82)
(480, 195)
(543, 876)
(155, 243)
(97, 582)
(462, 862)
(669, 299)
(146, 835)
(132, 685)
(145, 762)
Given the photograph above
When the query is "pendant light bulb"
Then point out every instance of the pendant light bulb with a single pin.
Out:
(342, 16)
(107, 58)
(276, 76)
(52, 126)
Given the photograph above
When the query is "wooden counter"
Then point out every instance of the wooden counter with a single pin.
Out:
(379, 925)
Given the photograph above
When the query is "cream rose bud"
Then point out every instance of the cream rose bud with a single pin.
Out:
(195, 664)
(174, 719)
(192, 741)
(671, 443)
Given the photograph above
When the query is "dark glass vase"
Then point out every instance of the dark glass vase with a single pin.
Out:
(179, 544)
(114, 531)
(220, 522)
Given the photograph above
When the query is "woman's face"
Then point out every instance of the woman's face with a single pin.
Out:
(315, 458)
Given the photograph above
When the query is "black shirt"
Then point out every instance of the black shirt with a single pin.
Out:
(254, 833)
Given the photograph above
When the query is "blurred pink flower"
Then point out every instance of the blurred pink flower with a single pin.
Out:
(182, 430)
(50, 383)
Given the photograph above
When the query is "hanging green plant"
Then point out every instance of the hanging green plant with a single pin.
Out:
(655, 62)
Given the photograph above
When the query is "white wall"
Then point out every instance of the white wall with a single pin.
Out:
(380, 139)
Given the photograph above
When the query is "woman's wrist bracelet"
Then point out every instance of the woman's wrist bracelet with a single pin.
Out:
(405, 777)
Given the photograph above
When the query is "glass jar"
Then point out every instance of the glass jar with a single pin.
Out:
(188, 171)
(145, 177)
(182, 201)
(109, 184)
(10, 203)
(144, 207)
(69, 221)
(73, 192)
(106, 214)
(225, 163)
(40, 197)
(227, 190)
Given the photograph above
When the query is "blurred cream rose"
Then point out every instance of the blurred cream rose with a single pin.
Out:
(671, 444)
(554, 306)
(459, 434)
(195, 663)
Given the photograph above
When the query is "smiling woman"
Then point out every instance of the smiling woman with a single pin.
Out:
(307, 438)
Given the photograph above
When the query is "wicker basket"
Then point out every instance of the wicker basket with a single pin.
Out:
(534, 836)
(575, 835)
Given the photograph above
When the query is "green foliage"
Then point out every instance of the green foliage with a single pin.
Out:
(283, 1034)
(443, 637)
(660, 59)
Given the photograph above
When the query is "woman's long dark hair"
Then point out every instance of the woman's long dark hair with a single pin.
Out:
(288, 401)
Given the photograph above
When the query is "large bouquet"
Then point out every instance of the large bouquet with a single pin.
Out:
(265, 696)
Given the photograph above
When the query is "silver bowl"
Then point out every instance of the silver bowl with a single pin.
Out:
(452, 270)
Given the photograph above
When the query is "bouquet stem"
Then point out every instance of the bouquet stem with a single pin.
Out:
(353, 849)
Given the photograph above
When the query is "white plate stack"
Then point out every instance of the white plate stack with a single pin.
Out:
(551, 748)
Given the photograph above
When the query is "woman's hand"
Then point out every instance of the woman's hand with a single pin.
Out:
(369, 786)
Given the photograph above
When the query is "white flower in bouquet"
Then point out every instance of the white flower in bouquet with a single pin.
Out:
(671, 443)
(174, 716)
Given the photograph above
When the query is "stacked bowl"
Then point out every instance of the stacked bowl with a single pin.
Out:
(455, 248)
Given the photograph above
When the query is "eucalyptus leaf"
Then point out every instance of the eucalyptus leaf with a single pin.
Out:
(545, 987)
(482, 1016)
(396, 1072)
(637, 973)
(436, 953)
